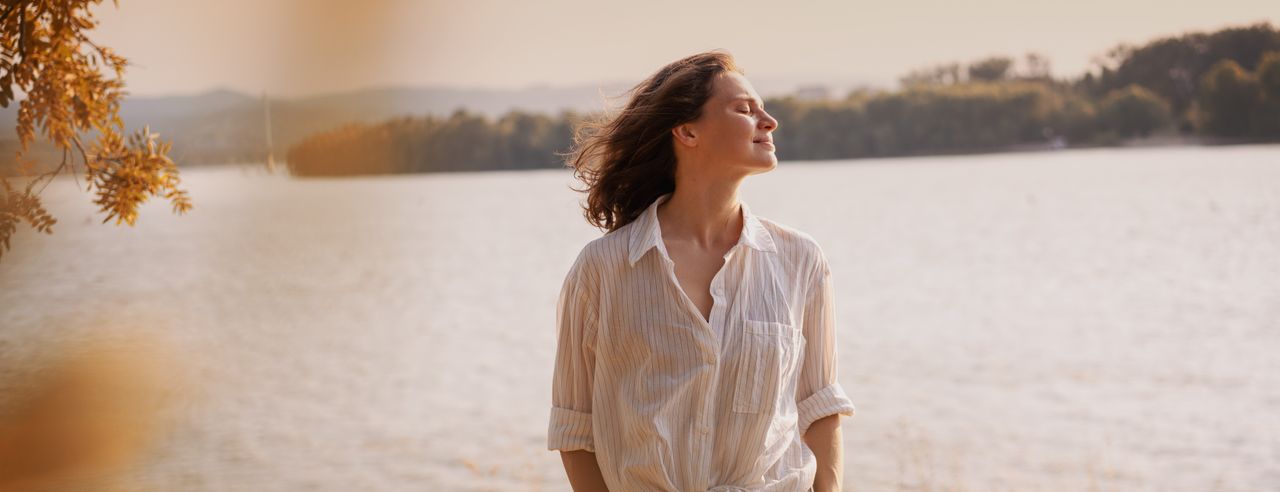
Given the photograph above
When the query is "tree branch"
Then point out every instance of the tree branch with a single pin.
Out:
(9, 10)
(22, 34)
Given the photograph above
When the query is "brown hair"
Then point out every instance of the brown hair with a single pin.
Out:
(628, 159)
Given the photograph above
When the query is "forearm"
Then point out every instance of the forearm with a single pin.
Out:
(583, 470)
(823, 438)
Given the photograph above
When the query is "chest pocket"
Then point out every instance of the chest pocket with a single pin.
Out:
(769, 353)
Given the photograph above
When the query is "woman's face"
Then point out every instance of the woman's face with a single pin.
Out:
(734, 128)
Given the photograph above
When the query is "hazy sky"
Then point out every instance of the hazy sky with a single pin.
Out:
(304, 47)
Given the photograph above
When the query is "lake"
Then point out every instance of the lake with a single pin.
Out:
(1101, 319)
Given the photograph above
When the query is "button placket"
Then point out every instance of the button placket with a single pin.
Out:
(719, 306)
(703, 426)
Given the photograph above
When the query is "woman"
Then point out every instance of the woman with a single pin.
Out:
(696, 341)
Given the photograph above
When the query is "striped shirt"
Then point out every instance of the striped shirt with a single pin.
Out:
(668, 400)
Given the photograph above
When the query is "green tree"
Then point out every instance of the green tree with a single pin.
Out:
(990, 69)
(1266, 118)
(47, 55)
(1269, 75)
(942, 74)
(1133, 111)
(1228, 95)
(1171, 66)
(1037, 67)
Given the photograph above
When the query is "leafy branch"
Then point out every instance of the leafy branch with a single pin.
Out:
(46, 54)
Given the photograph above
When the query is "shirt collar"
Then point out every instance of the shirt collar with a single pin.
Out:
(646, 234)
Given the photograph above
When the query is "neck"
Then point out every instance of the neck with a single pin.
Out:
(708, 218)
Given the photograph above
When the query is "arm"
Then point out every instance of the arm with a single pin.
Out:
(570, 426)
(820, 398)
(583, 470)
(824, 439)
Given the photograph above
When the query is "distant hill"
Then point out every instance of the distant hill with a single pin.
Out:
(226, 126)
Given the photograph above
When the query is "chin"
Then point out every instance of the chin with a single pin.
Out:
(765, 165)
(770, 158)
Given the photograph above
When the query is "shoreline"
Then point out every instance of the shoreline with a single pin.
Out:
(1155, 141)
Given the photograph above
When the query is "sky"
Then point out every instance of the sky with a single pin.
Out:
(294, 48)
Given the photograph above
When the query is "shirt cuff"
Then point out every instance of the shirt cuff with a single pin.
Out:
(827, 401)
(569, 430)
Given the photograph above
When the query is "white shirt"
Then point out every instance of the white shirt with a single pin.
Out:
(669, 401)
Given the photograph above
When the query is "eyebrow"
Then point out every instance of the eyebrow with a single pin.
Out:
(749, 99)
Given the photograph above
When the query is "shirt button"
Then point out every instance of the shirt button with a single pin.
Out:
(702, 429)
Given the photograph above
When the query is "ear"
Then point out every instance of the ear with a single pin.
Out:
(684, 134)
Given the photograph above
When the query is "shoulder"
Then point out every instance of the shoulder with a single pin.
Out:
(794, 243)
(603, 255)
(801, 252)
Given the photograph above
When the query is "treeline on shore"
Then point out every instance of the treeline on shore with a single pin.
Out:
(1224, 84)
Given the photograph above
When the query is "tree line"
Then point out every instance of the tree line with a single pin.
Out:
(1223, 85)
(462, 141)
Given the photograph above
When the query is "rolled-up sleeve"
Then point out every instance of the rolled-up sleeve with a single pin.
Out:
(576, 322)
(818, 393)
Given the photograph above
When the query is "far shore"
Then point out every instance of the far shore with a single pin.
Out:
(1165, 140)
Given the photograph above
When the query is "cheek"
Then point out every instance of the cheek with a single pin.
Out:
(735, 131)
(739, 130)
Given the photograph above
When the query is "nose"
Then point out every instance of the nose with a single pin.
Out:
(768, 122)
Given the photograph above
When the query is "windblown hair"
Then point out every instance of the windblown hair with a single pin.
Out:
(628, 159)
